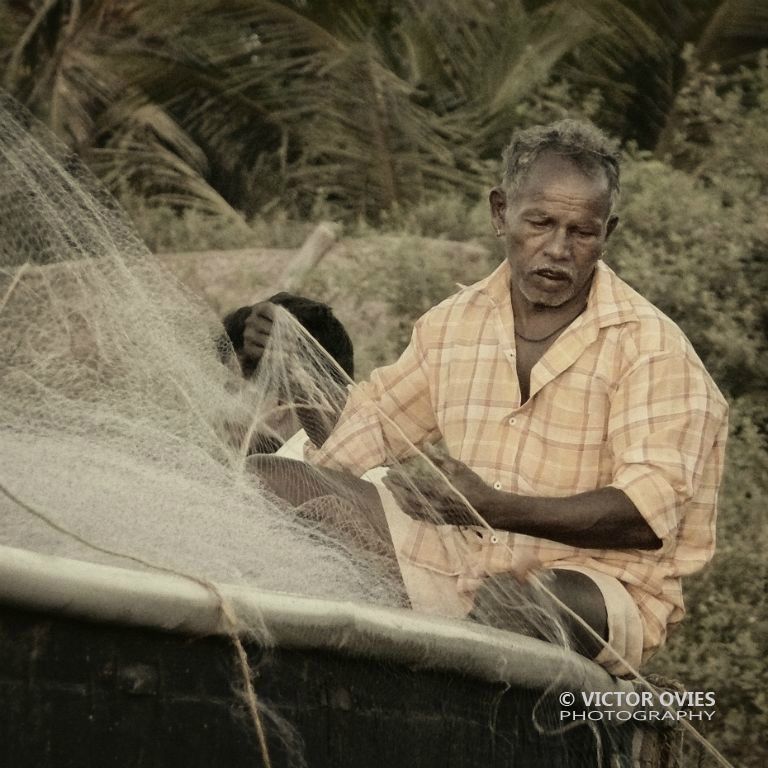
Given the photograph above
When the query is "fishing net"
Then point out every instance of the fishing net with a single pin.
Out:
(127, 429)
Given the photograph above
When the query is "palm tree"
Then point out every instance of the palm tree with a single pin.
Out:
(722, 36)
(726, 33)
(246, 104)
(104, 75)
(376, 106)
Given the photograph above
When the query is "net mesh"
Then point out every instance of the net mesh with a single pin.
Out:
(120, 420)
(127, 424)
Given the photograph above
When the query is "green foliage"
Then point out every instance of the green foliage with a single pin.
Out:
(243, 104)
(678, 245)
(447, 216)
(102, 76)
(694, 237)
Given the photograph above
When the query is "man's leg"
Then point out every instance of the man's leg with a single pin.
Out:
(505, 603)
(583, 597)
(502, 601)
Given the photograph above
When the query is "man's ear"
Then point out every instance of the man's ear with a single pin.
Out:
(613, 220)
(498, 201)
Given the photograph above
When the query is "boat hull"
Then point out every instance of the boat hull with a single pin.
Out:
(87, 694)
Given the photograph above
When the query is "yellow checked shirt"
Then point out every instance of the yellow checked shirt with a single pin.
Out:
(619, 399)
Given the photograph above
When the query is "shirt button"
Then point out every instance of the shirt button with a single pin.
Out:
(512, 421)
(494, 539)
(497, 485)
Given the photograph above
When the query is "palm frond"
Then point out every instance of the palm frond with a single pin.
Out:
(365, 104)
(737, 28)
(149, 153)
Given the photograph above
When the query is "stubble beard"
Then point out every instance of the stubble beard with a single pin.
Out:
(545, 300)
(540, 299)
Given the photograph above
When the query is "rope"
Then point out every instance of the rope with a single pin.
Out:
(12, 287)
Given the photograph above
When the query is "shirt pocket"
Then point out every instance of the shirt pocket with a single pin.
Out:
(577, 410)
(564, 450)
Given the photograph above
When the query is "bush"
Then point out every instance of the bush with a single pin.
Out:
(698, 262)
(166, 229)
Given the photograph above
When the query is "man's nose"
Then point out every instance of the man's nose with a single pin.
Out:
(559, 245)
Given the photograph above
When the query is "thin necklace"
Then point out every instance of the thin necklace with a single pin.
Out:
(549, 335)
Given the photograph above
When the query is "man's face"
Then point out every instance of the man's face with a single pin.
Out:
(555, 226)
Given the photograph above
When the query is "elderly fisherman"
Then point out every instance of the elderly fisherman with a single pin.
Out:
(580, 423)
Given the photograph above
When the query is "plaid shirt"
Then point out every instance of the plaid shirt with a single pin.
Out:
(619, 399)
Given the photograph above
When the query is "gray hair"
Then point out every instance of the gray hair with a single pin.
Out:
(579, 140)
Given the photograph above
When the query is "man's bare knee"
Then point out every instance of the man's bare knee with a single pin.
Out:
(582, 596)
(503, 602)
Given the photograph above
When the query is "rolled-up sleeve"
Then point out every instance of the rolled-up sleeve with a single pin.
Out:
(665, 417)
(385, 417)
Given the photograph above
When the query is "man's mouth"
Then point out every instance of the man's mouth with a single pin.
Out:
(549, 274)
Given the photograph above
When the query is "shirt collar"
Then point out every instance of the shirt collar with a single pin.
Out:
(610, 299)
(608, 303)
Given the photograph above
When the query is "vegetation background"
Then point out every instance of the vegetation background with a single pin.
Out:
(234, 123)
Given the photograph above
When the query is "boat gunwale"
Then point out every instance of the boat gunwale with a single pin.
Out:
(176, 603)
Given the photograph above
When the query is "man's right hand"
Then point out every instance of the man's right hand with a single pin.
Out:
(256, 333)
(430, 501)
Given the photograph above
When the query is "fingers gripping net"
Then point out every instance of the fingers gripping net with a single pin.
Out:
(128, 429)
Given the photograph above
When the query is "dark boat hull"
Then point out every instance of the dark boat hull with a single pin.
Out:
(90, 695)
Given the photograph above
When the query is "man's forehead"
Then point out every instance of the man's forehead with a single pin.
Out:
(552, 172)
